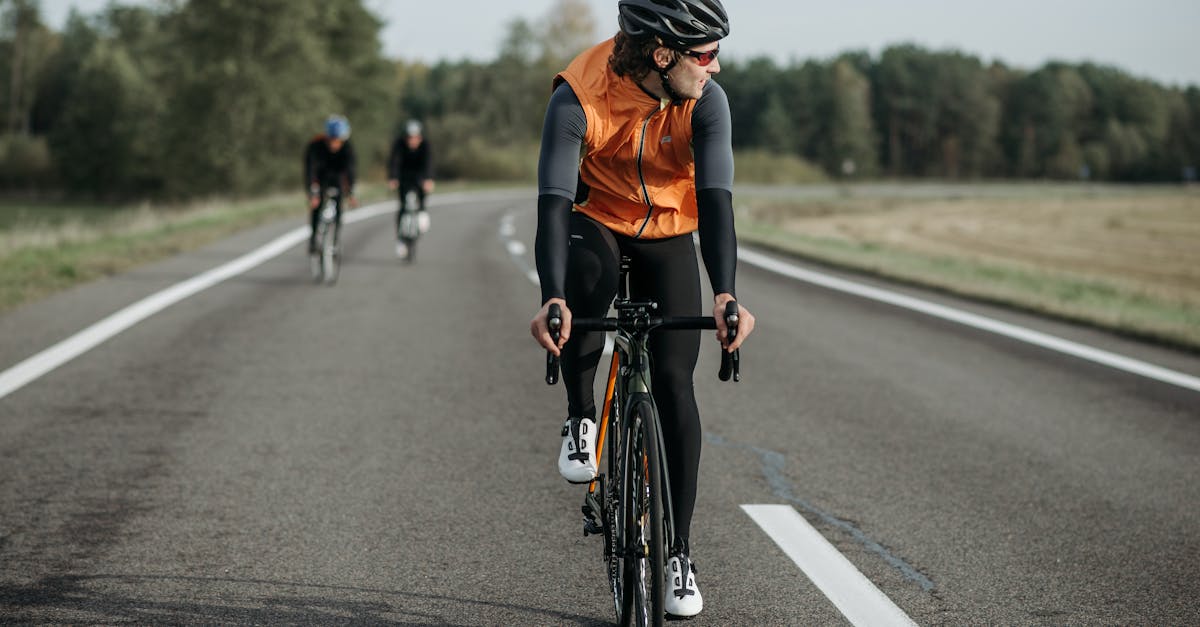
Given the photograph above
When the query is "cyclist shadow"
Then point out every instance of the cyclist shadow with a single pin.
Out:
(178, 599)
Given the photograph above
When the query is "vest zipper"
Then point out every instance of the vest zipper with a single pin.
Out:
(642, 177)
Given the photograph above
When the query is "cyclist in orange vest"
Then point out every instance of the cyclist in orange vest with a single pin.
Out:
(657, 167)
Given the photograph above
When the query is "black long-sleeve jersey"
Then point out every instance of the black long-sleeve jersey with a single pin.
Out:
(327, 168)
(410, 164)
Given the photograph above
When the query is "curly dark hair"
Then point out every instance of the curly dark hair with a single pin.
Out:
(632, 57)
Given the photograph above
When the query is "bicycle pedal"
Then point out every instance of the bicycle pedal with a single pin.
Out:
(592, 525)
(591, 518)
(592, 528)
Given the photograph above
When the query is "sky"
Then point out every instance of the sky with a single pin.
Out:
(1156, 39)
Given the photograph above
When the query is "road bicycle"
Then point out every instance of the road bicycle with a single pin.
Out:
(408, 229)
(325, 261)
(630, 504)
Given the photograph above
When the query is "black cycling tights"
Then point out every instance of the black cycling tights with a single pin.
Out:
(662, 270)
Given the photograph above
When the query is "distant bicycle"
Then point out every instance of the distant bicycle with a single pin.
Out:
(326, 259)
(410, 225)
(630, 504)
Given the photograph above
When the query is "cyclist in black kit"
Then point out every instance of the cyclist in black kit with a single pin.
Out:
(658, 166)
(329, 162)
(410, 169)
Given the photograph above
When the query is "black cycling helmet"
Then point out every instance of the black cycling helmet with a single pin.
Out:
(679, 24)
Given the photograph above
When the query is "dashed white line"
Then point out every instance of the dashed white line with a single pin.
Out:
(854, 595)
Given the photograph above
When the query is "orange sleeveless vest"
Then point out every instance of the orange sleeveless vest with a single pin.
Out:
(638, 160)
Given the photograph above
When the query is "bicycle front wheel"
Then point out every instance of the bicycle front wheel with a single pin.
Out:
(315, 261)
(409, 232)
(329, 255)
(645, 548)
(613, 511)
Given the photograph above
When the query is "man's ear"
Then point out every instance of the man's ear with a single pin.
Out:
(663, 57)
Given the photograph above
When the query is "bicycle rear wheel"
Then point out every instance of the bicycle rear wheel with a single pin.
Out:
(644, 544)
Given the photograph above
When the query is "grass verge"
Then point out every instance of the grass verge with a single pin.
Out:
(1118, 259)
(45, 248)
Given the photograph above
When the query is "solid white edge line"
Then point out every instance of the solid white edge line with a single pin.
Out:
(859, 600)
(1022, 334)
(32, 368)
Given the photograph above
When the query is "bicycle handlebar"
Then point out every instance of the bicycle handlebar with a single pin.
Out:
(730, 362)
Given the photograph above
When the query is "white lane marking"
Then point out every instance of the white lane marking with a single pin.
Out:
(854, 595)
(1022, 334)
(38, 365)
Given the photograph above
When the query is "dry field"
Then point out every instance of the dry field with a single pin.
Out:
(1122, 257)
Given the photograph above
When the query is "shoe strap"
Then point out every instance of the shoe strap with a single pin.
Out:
(685, 569)
(573, 425)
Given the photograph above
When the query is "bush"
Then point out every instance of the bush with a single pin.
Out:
(25, 163)
(760, 166)
(463, 150)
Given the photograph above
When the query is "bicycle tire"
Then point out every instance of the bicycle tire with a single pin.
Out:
(409, 232)
(644, 543)
(329, 261)
(411, 243)
(613, 513)
(315, 264)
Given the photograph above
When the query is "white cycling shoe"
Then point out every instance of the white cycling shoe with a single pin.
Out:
(683, 597)
(577, 459)
(401, 250)
(423, 222)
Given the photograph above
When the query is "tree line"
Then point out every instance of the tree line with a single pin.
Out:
(190, 98)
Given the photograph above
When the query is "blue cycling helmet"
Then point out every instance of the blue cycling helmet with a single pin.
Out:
(337, 127)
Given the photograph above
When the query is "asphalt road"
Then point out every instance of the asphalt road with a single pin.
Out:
(383, 452)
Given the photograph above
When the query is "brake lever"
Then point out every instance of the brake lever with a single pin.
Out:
(554, 321)
(731, 363)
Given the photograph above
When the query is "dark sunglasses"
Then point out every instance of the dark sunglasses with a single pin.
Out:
(703, 58)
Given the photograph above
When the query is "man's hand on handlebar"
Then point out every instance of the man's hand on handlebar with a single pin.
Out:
(539, 327)
(745, 324)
